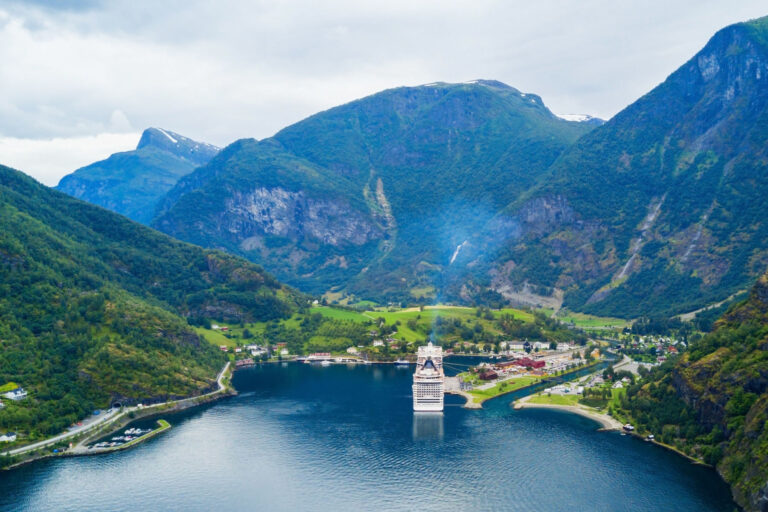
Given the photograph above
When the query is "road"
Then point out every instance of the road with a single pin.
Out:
(109, 416)
(87, 425)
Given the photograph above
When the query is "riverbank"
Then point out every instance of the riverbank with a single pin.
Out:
(113, 422)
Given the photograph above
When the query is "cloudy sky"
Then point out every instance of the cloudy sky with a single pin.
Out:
(80, 79)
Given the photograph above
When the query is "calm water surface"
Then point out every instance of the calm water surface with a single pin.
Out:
(339, 438)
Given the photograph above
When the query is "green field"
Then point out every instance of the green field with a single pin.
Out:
(8, 386)
(584, 321)
(503, 387)
(341, 314)
(555, 399)
(215, 337)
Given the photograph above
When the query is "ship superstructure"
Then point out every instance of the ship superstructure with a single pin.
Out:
(429, 380)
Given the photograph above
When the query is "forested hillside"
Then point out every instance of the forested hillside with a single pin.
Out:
(660, 210)
(713, 402)
(94, 307)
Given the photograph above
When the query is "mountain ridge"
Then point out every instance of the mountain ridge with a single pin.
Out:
(420, 158)
(686, 156)
(131, 182)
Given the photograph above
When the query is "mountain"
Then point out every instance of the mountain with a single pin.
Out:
(131, 183)
(372, 197)
(660, 210)
(713, 402)
(95, 307)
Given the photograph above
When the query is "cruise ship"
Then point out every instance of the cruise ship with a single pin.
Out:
(429, 380)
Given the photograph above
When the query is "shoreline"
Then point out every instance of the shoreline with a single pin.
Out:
(116, 422)
(474, 402)
(608, 423)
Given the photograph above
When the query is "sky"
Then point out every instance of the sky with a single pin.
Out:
(80, 79)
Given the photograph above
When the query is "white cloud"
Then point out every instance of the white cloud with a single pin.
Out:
(219, 71)
(49, 159)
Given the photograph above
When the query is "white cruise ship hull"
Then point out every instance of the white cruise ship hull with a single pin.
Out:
(421, 407)
(428, 396)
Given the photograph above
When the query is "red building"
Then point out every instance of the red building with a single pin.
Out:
(527, 362)
(489, 375)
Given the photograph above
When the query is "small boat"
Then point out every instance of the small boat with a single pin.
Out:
(401, 362)
(325, 363)
(650, 437)
(628, 427)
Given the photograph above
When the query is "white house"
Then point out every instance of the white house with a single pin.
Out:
(378, 343)
(284, 352)
(516, 345)
(8, 437)
(16, 394)
(352, 350)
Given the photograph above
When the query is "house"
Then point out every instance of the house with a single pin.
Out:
(8, 437)
(283, 351)
(538, 345)
(378, 343)
(238, 350)
(223, 348)
(489, 375)
(352, 350)
(516, 345)
(16, 394)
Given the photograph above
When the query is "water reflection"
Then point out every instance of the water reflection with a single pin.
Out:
(427, 426)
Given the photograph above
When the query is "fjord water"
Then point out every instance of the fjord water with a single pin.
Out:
(301, 437)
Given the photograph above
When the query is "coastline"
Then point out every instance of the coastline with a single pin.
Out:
(116, 422)
(475, 402)
(607, 422)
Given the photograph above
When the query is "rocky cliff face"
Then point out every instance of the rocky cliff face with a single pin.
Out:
(295, 216)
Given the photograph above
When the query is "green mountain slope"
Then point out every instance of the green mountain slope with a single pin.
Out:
(713, 402)
(374, 195)
(93, 307)
(131, 183)
(662, 209)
